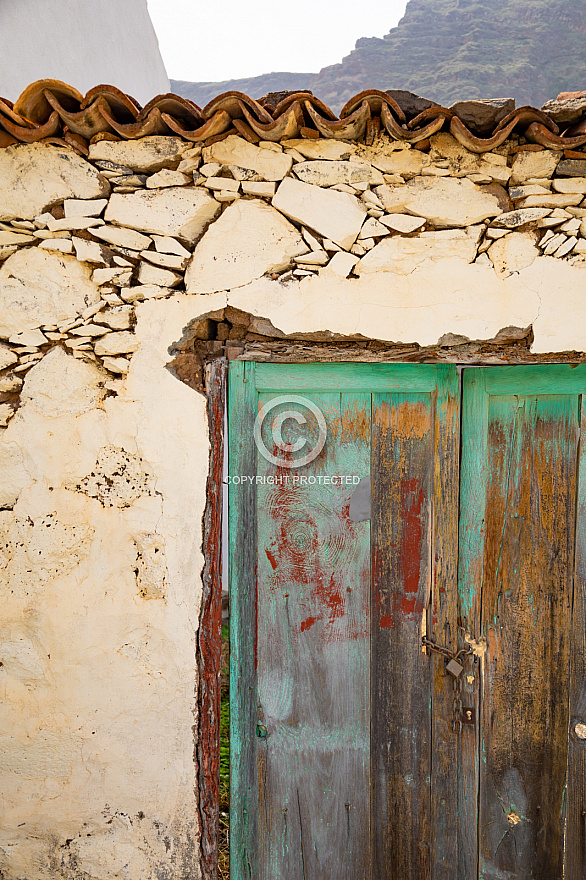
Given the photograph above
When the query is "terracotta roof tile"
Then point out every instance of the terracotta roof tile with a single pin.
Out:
(49, 110)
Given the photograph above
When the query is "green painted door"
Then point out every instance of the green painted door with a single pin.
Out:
(356, 754)
(343, 762)
(522, 772)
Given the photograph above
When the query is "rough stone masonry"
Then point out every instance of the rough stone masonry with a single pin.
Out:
(105, 261)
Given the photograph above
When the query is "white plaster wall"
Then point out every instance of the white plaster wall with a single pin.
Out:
(98, 684)
(80, 42)
(98, 675)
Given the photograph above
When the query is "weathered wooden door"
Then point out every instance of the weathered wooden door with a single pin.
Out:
(343, 748)
(355, 753)
(522, 773)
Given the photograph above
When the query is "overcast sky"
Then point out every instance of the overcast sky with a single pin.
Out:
(229, 39)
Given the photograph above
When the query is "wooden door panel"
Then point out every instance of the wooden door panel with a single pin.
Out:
(401, 704)
(517, 540)
(313, 658)
(346, 760)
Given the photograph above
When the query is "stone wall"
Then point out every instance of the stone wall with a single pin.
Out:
(112, 269)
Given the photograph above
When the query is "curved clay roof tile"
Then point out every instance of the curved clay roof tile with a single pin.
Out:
(351, 128)
(33, 103)
(51, 111)
(537, 133)
(287, 125)
(376, 101)
(220, 122)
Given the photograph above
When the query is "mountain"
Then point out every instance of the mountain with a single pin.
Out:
(447, 51)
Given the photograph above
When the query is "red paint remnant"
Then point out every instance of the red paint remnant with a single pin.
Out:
(271, 558)
(331, 596)
(308, 623)
(386, 621)
(412, 507)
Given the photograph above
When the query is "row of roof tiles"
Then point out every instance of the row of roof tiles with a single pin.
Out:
(49, 110)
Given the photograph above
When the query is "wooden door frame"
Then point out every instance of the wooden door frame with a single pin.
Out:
(207, 729)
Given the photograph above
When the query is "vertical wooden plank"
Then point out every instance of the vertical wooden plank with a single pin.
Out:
(442, 625)
(313, 655)
(402, 456)
(517, 537)
(210, 628)
(526, 616)
(242, 403)
(575, 854)
(470, 574)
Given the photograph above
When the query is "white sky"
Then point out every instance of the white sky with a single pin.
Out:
(228, 39)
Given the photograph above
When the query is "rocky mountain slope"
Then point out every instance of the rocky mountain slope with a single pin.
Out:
(449, 50)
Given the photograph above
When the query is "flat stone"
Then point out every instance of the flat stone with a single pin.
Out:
(167, 177)
(553, 244)
(61, 385)
(148, 154)
(566, 110)
(38, 287)
(342, 264)
(249, 240)
(63, 245)
(188, 166)
(529, 164)
(234, 150)
(313, 258)
(179, 212)
(520, 217)
(166, 245)
(126, 238)
(335, 215)
(570, 185)
(407, 163)
(226, 196)
(566, 247)
(223, 184)
(118, 318)
(210, 169)
(521, 192)
(145, 291)
(9, 382)
(89, 330)
(84, 207)
(167, 261)
(483, 115)
(73, 223)
(551, 200)
(9, 238)
(118, 365)
(29, 338)
(106, 276)
(324, 173)
(324, 148)
(116, 343)
(402, 222)
(572, 168)
(402, 255)
(149, 274)
(443, 201)
(34, 177)
(514, 252)
(258, 188)
(90, 252)
(7, 356)
(374, 229)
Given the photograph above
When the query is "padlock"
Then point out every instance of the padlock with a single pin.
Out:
(454, 668)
